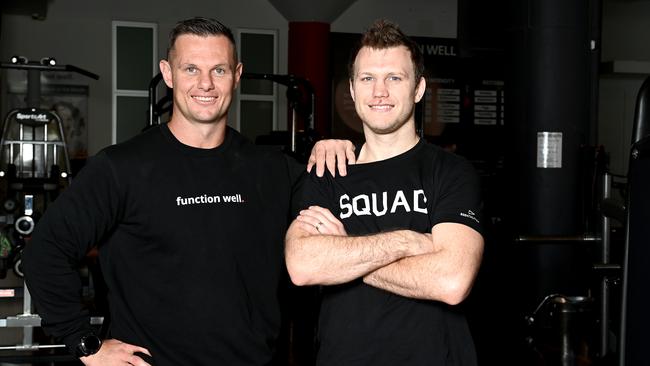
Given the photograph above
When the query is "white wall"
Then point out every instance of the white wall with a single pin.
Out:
(423, 18)
(78, 32)
(615, 119)
(626, 37)
(626, 30)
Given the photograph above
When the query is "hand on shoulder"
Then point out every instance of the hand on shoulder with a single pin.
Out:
(333, 154)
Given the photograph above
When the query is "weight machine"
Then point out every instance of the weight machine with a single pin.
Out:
(34, 169)
(635, 318)
(620, 340)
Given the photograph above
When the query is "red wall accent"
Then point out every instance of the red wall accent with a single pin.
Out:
(309, 58)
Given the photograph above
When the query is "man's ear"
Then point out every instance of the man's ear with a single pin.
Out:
(166, 70)
(239, 69)
(420, 89)
(351, 89)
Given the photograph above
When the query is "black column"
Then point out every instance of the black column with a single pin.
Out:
(548, 96)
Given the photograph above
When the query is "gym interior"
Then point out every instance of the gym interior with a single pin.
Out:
(564, 168)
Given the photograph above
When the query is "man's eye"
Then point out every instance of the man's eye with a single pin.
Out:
(220, 71)
(394, 78)
(366, 78)
(191, 70)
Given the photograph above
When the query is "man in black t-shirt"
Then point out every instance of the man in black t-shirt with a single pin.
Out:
(397, 242)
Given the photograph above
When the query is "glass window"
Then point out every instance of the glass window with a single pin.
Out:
(257, 54)
(134, 48)
(135, 54)
(132, 116)
(257, 107)
(258, 116)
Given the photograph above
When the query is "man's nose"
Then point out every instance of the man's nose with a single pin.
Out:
(205, 81)
(380, 89)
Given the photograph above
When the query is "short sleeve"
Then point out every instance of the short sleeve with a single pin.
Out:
(315, 191)
(458, 194)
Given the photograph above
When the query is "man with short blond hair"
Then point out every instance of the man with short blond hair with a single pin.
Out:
(397, 242)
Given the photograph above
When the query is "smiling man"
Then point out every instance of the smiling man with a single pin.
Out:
(189, 218)
(397, 241)
(203, 72)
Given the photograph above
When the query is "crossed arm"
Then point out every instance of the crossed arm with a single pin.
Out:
(440, 265)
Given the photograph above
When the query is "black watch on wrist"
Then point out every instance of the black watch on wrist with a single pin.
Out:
(88, 345)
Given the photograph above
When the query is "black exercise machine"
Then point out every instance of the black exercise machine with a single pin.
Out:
(34, 169)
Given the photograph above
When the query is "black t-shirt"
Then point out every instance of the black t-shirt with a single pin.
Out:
(363, 325)
(190, 245)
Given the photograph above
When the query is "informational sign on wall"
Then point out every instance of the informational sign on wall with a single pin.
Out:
(549, 149)
(488, 103)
